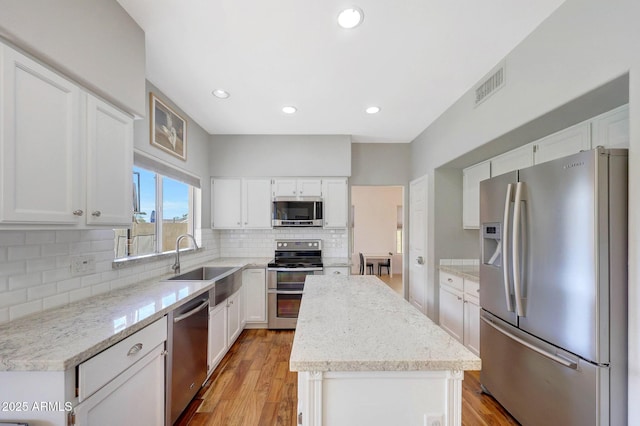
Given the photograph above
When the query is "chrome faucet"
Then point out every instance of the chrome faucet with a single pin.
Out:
(176, 265)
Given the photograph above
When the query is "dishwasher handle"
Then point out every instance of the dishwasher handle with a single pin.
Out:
(194, 311)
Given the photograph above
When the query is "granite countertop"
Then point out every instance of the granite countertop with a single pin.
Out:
(61, 338)
(357, 323)
(470, 272)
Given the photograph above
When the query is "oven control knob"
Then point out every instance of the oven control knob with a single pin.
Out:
(284, 244)
(310, 244)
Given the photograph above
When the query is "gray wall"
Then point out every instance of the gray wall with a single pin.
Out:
(583, 45)
(380, 164)
(101, 47)
(197, 149)
(280, 155)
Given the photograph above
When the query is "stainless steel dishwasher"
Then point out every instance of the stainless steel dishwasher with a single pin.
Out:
(187, 361)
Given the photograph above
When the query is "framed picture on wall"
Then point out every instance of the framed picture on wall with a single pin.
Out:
(168, 129)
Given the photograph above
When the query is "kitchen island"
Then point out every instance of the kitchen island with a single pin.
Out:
(364, 355)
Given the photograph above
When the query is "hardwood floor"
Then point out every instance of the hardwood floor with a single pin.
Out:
(252, 386)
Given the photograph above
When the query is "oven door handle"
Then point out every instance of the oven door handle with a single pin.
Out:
(274, 291)
(294, 269)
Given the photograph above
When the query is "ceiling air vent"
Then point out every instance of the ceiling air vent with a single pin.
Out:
(491, 84)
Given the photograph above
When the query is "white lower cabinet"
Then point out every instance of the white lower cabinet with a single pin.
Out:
(125, 384)
(234, 320)
(255, 293)
(225, 325)
(336, 270)
(217, 346)
(451, 311)
(460, 310)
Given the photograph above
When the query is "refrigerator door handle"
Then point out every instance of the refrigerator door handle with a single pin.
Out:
(519, 198)
(505, 246)
(554, 357)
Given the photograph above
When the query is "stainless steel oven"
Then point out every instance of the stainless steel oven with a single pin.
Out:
(286, 274)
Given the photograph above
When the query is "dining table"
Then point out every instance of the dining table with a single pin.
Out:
(379, 256)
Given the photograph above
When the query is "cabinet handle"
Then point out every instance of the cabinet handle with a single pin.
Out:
(238, 223)
(97, 213)
(135, 349)
(246, 223)
(459, 298)
(450, 280)
(78, 212)
(336, 272)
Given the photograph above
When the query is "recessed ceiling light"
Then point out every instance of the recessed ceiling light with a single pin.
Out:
(350, 18)
(289, 109)
(373, 110)
(222, 94)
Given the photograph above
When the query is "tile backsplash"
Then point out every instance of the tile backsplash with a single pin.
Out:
(261, 242)
(36, 268)
(36, 271)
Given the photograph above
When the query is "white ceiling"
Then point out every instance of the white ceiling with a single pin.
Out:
(413, 58)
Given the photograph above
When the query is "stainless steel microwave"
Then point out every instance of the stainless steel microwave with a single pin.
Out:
(297, 213)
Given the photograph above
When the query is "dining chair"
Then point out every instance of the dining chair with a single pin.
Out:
(385, 264)
(369, 266)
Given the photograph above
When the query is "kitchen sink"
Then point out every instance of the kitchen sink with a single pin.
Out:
(204, 273)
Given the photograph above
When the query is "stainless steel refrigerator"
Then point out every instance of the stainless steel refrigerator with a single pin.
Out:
(553, 290)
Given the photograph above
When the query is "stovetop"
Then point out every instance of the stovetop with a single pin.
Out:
(307, 263)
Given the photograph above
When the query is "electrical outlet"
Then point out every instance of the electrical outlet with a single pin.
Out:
(83, 265)
(433, 420)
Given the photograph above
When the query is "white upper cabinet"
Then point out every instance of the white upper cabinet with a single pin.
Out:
(240, 203)
(565, 142)
(226, 203)
(297, 187)
(39, 144)
(50, 129)
(518, 158)
(336, 202)
(471, 177)
(109, 164)
(256, 203)
(611, 129)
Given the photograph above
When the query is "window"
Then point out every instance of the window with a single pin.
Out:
(163, 209)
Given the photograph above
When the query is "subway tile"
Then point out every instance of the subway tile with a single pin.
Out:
(57, 249)
(24, 309)
(25, 280)
(106, 245)
(55, 301)
(79, 294)
(55, 275)
(3, 254)
(100, 288)
(4, 284)
(4, 315)
(40, 237)
(11, 298)
(67, 236)
(97, 234)
(12, 238)
(68, 285)
(41, 264)
(23, 253)
(80, 247)
(90, 280)
(41, 291)
(12, 268)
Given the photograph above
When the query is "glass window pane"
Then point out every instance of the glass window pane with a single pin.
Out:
(142, 238)
(176, 213)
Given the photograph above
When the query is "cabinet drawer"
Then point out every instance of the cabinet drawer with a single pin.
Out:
(451, 280)
(108, 364)
(336, 270)
(472, 288)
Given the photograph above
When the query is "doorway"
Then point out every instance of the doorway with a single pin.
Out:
(377, 229)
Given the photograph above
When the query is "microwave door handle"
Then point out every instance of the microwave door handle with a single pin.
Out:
(505, 247)
(517, 213)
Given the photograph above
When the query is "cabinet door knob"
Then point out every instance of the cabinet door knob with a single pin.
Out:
(97, 213)
(450, 280)
(78, 212)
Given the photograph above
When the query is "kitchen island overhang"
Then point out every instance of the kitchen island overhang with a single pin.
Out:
(364, 355)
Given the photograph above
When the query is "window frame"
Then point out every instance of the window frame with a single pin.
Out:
(159, 217)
